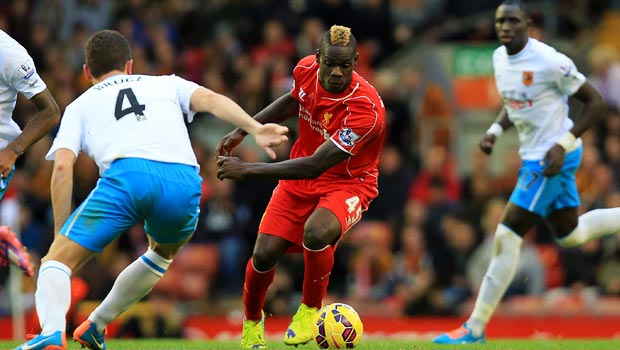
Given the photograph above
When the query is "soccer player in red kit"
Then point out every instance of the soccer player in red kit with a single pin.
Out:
(325, 186)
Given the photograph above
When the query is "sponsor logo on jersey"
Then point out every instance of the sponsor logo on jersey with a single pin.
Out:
(348, 137)
(528, 78)
(520, 104)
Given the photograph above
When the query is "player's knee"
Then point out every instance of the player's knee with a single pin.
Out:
(67, 252)
(166, 252)
(506, 242)
(316, 239)
(263, 259)
(571, 240)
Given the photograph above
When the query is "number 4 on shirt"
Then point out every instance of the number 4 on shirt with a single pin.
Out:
(134, 107)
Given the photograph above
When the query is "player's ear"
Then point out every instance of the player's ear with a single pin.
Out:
(317, 53)
(129, 66)
(87, 74)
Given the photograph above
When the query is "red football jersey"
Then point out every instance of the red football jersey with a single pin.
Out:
(353, 120)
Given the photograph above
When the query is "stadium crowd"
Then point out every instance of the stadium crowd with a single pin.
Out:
(423, 246)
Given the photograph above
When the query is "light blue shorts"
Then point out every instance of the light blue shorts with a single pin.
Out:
(543, 195)
(166, 196)
(4, 182)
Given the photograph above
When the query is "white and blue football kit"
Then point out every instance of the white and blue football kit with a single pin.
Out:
(535, 84)
(18, 74)
(133, 127)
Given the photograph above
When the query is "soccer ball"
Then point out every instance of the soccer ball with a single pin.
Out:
(337, 326)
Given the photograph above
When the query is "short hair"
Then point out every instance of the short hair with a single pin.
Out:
(517, 3)
(339, 36)
(105, 51)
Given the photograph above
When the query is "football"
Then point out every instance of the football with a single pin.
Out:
(337, 326)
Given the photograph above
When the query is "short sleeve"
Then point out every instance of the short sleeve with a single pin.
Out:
(568, 78)
(185, 89)
(69, 134)
(301, 73)
(358, 127)
(22, 75)
(295, 86)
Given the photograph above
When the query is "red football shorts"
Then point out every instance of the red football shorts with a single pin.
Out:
(288, 211)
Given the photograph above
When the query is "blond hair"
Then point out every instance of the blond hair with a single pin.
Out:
(339, 36)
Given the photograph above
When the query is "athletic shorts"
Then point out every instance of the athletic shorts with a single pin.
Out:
(543, 195)
(166, 196)
(287, 211)
(4, 182)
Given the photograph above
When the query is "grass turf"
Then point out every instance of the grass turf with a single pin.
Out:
(366, 344)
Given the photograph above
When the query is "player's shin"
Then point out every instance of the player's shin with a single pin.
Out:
(53, 296)
(255, 290)
(593, 224)
(498, 277)
(318, 265)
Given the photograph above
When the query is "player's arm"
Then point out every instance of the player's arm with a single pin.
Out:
(276, 112)
(501, 124)
(310, 167)
(62, 186)
(266, 135)
(593, 108)
(45, 119)
(502, 119)
(279, 110)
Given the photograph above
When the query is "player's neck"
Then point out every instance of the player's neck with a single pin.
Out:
(517, 48)
(106, 76)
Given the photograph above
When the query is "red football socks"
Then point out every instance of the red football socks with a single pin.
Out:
(317, 268)
(255, 290)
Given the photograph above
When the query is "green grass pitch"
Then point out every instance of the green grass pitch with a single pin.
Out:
(365, 344)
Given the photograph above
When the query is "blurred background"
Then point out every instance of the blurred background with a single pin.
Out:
(425, 243)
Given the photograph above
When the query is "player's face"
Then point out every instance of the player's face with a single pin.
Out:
(336, 66)
(511, 26)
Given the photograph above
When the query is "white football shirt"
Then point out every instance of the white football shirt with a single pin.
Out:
(18, 75)
(535, 84)
(130, 116)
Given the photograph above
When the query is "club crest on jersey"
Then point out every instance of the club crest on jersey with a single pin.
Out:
(326, 117)
(348, 137)
(528, 77)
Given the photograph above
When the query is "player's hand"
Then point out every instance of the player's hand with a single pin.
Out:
(554, 160)
(487, 142)
(7, 160)
(229, 142)
(231, 168)
(269, 135)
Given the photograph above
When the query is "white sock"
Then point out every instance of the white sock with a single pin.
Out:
(53, 296)
(499, 275)
(593, 224)
(133, 283)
